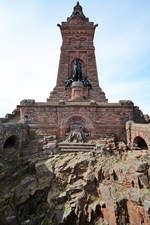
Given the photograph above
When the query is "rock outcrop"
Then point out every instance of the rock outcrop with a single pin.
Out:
(82, 188)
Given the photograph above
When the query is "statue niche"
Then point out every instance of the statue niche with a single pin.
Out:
(77, 76)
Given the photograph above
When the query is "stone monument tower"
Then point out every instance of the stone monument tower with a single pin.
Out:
(77, 102)
(78, 35)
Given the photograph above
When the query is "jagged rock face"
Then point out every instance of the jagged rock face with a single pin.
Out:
(78, 189)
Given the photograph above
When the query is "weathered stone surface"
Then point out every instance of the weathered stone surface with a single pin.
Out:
(137, 133)
(18, 130)
(50, 148)
(142, 167)
(27, 102)
(82, 187)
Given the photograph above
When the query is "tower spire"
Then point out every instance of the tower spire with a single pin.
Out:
(77, 15)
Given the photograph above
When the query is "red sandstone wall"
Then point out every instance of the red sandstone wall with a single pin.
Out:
(98, 121)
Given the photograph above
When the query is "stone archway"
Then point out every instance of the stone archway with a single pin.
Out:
(139, 142)
(11, 142)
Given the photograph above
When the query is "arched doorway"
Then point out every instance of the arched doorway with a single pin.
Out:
(11, 142)
(139, 142)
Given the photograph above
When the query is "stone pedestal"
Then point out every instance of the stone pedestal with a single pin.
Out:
(77, 90)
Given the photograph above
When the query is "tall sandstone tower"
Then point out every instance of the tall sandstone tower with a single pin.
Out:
(78, 35)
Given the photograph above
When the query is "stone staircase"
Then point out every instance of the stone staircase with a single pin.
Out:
(76, 147)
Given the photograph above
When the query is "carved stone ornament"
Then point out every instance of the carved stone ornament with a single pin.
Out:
(77, 134)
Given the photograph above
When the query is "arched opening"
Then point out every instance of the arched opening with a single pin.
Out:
(140, 143)
(11, 142)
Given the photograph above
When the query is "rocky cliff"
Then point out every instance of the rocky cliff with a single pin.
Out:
(93, 188)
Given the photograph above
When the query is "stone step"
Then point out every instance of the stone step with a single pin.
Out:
(76, 150)
(76, 147)
(76, 144)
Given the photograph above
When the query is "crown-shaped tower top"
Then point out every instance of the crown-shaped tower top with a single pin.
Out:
(77, 15)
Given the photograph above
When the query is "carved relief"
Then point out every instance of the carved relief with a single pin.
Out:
(77, 135)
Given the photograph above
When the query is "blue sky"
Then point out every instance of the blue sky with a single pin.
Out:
(30, 47)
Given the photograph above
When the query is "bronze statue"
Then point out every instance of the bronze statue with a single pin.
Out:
(86, 82)
(77, 70)
(77, 76)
